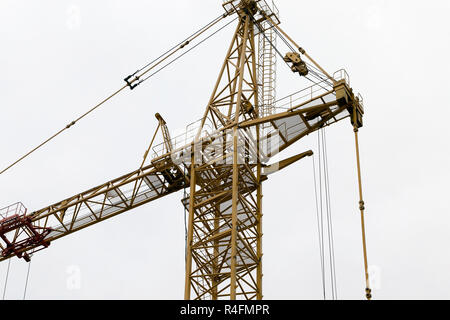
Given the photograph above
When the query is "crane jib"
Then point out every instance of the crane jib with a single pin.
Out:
(22, 235)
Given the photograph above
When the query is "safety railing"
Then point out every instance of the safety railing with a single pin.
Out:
(361, 100)
(14, 209)
(311, 92)
(342, 75)
(303, 95)
(184, 138)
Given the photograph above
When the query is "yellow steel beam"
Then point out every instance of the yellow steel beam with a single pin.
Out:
(285, 163)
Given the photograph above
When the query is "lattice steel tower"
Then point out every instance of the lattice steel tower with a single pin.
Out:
(222, 160)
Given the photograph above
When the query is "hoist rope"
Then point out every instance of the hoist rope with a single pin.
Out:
(268, 40)
(329, 214)
(324, 191)
(319, 230)
(325, 208)
(7, 277)
(26, 281)
(6, 280)
(314, 71)
(321, 197)
(171, 51)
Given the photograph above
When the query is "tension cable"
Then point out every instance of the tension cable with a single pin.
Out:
(362, 208)
(131, 81)
(6, 280)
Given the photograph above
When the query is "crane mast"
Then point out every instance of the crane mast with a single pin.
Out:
(223, 162)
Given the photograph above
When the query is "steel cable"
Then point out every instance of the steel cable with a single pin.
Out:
(319, 230)
(182, 42)
(329, 215)
(26, 281)
(186, 52)
(325, 208)
(68, 126)
(6, 280)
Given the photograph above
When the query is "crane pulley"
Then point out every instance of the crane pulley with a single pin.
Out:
(298, 65)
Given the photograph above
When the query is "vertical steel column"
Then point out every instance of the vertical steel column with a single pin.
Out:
(259, 253)
(236, 159)
(187, 286)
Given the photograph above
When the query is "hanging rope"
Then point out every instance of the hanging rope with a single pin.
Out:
(6, 280)
(26, 281)
(319, 231)
(329, 214)
(321, 202)
(324, 215)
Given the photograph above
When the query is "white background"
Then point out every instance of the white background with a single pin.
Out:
(58, 58)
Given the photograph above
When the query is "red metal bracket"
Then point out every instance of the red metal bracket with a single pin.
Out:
(19, 233)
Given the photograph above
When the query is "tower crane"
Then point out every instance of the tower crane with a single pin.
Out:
(223, 160)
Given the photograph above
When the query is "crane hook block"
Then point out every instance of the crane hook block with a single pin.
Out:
(132, 81)
(298, 65)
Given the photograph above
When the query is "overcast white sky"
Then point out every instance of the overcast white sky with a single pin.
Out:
(58, 58)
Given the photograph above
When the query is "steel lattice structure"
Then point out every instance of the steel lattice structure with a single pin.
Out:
(223, 162)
